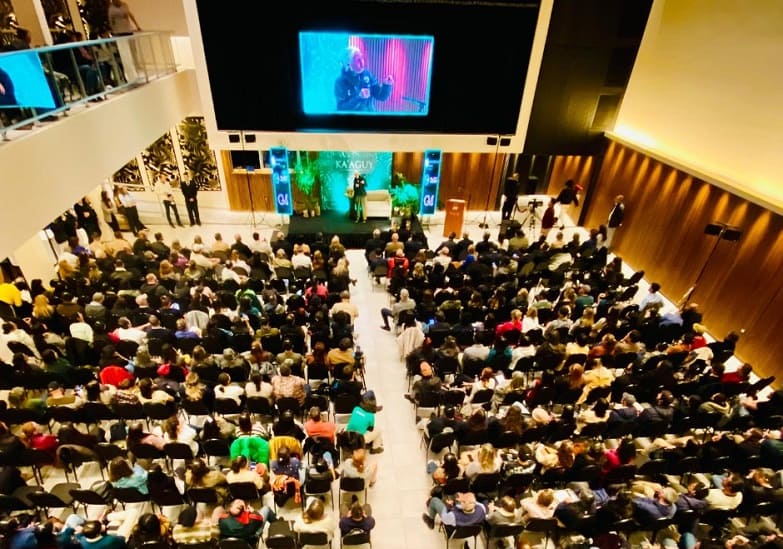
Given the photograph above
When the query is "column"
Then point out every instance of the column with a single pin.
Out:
(31, 16)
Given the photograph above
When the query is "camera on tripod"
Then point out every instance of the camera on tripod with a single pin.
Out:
(533, 204)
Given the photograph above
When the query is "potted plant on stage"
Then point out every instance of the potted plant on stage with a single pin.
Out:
(405, 196)
(306, 182)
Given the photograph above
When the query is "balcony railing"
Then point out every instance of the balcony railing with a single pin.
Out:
(39, 84)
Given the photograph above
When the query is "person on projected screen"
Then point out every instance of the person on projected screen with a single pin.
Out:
(357, 87)
(7, 95)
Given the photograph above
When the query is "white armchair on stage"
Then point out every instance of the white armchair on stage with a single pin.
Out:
(379, 204)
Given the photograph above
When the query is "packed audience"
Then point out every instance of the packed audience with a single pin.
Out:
(551, 397)
(226, 381)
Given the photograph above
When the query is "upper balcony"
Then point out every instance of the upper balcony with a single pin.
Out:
(42, 85)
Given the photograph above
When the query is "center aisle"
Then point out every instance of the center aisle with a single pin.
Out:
(400, 493)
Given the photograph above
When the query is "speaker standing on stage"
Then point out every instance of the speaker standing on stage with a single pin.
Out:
(360, 197)
(190, 192)
(567, 197)
(616, 217)
(166, 195)
(510, 192)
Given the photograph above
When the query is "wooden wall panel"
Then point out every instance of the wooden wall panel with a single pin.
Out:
(466, 176)
(578, 168)
(237, 188)
(666, 212)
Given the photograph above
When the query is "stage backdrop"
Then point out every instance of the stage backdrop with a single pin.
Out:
(336, 170)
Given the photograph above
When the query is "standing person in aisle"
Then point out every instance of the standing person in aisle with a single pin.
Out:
(510, 192)
(190, 192)
(568, 200)
(616, 217)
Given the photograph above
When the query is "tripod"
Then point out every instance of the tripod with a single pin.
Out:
(531, 219)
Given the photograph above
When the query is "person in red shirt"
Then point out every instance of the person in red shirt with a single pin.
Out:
(315, 426)
(699, 340)
(114, 375)
(514, 324)
(622, 455)
(33, 437)
(397, 263)
(317, 288)
(741, 375)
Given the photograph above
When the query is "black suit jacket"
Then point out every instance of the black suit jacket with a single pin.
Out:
(189, 189)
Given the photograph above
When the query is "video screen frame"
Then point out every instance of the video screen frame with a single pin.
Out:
(365, 74)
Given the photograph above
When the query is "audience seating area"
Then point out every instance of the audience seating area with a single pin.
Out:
(212, 402)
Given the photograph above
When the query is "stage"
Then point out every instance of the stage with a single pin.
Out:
(330, 223)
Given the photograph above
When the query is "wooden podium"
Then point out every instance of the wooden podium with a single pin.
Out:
(455, 216)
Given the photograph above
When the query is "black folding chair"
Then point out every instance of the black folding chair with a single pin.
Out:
(501, 531)
(462, 533)
(129, 495)
(353, 485)
(216, 448)
(355, 538)
(246, 491)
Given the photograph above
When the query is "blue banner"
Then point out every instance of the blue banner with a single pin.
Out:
(281, 180)
(430, 181)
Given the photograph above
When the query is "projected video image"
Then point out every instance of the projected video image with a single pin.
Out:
(23, 82)
(365, 74)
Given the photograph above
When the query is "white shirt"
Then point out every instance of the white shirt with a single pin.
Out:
(81, 330)
(119, 19)
(301, 260)
(187, 435)
(163, 188)
(229, 391)
(127, 200)
(71, 259)
(530, 323)
(265, 391)
(131, 334)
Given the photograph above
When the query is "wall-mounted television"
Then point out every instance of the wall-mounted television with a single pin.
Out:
(365, 74)
(23, 82)
(241, 160)
(422, 66)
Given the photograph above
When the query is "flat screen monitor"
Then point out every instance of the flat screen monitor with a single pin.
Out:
(365, 74)
(23, 82)
(241, 160)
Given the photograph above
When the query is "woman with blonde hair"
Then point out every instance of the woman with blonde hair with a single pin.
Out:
(540, 505)
(65, 270)
(530, 320)
(574, 378)
(42, 310)
(486, 460)
(315, 520)
(357, 467)
(281, 260)
(166, 270)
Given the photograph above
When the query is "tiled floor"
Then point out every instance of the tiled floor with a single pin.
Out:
(398, 498)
